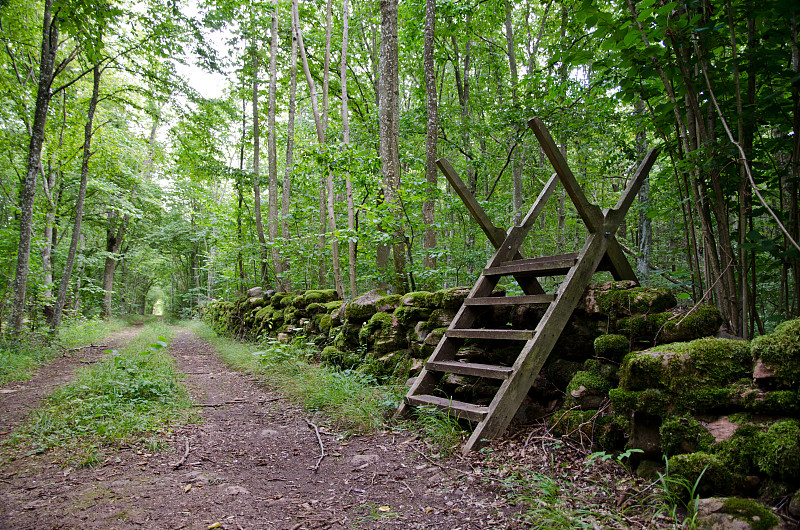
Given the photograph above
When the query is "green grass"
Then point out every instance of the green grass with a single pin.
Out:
(21, 357)
(352, 399)
(440, 428)
(132, 394)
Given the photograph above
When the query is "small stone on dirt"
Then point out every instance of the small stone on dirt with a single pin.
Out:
(359, 460)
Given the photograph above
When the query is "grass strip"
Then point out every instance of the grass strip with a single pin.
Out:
(21, 357)
(352, 399)
(132, 393)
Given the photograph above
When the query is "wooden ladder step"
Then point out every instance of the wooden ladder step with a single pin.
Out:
(510, 300)
(545, 266)
(458, 409)
(476, 369)
(495, 334)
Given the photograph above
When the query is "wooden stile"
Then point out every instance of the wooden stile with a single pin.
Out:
(601, 251)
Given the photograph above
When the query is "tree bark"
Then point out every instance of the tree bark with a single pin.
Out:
(262, 242)
(285, 283)
(114, 238)
(271, 145)
(389, 135)
(46, 68)
(351, 223)
(79, 202)
(431, 171)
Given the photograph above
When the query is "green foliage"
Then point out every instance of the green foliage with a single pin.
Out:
(751, 512)
(440, 428)
(707, 474)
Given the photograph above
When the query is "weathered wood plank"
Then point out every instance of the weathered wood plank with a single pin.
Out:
(458, 409)
(476, 369)
(493, 334)
(618, 264)
(614, 217)
(510, 300)
(535, 266)
(590, 213)
(496, 235)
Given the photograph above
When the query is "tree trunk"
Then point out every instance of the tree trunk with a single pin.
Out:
(516, 166)
(389, 134)
(43, 95)
(351, 222)
(285, 283)
(262, 242)
(114, 237)
(431, 171)
(79, 202)
(645, 224)
(272, 147)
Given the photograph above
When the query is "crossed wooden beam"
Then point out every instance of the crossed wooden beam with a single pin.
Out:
(596, 220)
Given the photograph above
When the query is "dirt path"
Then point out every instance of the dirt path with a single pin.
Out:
(250, 465)
(17, 399)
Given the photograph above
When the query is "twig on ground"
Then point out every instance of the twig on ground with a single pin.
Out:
(321, 446)
(442, 466)
(185, 455)
(87, 347)
(403, 482)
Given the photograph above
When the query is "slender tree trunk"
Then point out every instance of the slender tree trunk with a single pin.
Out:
(114, 238)
(516, 166)
(794, 211)
(79, 202)
(431, 172)
(285, 282)
(34, 164)
(645, 224)
(389, 134)
(262, 242)
(351, 218)
(272, 147)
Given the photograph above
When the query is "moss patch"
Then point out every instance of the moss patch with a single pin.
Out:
(752, 512)
(684, 434)
(779, 455)
(636, 300)
(716, 477)
(611, 346)
(780, 352)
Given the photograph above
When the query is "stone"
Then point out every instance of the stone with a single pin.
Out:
(360, 460)
(284, 338)
(363, 307)
(779, 353)
(734, 514)
(763, 377)
(236, 490)
(722, 428)
(255, 291)
(269, 293)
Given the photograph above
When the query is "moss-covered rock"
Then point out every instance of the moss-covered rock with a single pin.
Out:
(612, 346)
(588, 389)
(316, 296)
(681, 367)
(363, 307)
(651, 401)
(418, 299)
(779, 456)
(739, 452)
(684, 434)
(450, 298)
(780, 353)
(408, 316)
(277, 298)
(635, 300)
(734, 512)
(388, 304)
(716, 477)
(440, 318)
(344, 359)
(704, 321)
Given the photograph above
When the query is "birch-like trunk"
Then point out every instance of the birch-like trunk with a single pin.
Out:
(351, 218)
(46, 68)
(431, 171)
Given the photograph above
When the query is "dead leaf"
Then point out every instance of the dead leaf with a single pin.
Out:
(215, 525)
(187, 488)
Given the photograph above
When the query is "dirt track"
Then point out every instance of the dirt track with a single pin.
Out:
(250, 464)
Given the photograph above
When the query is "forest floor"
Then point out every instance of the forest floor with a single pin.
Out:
(253, 460)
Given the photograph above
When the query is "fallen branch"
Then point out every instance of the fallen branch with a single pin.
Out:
(87, 347)
(321, 446)
(185, 455)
